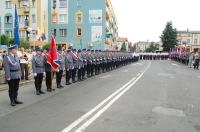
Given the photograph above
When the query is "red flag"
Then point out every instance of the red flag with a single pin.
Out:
(53, 56)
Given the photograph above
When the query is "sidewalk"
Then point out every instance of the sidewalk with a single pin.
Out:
(22, 83)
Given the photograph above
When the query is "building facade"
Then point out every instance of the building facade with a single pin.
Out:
(121, 41)
(31, 15)
(189, 39)
(82, 23)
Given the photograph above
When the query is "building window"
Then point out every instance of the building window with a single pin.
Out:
(33, 18)
(23, 3)
(188, 41)
(54, 18)
(79, 18)
(33, 3)
(8, 19)
(22, 34)
(195, 41)
(79, 32)
(63, 32)
(54, 4)
(62, 18)
(8, 4)
(54, 32)
(9, 34)
(78, 3)
(63, 3)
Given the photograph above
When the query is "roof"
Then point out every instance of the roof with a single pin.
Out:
(122, 40)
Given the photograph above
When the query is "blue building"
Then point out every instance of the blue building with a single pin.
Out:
(83, 23)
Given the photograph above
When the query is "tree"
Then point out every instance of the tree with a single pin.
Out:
(123, 48)
(169, 37)
(24, 43)
(4, 40)
(11, 41)
(152, 48)
(46, 46)
(133, 48)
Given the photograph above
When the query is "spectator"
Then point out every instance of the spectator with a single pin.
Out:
(23, 63)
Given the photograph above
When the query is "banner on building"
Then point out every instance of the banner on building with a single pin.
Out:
(95, 16)
(96, 32)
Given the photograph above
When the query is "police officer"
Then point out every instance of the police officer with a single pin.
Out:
(89, 63)
(69, 66)
(75, 62)
(38, 70)
(84, 55)
(12, 74)
(80, 65)
(48, 71)
(60, 70)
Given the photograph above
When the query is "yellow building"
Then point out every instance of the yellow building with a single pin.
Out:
(32, 19)
(111, 26)
(189, 39)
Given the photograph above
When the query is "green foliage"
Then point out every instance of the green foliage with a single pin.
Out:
(4, 40)
(11, 41)
(169, 37)
(123, 48)
(152, 48)
(133, 48)
(46, 46)
(24, 43)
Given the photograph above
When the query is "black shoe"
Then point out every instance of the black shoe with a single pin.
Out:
(68, 83)
(48, 90)
(18, 102)
(13, 103)
(37, 93)
(61, 86)
(41, 92)
(53, 89)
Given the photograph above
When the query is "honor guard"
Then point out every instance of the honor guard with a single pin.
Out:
(69, 66)
(84, 55)
(80, 65)
(12, 74)
(38, 70)
(48, 71)
(60, 70)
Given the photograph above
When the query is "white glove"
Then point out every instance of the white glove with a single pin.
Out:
(34, 74)
(8, 79)
(44, 74)
(57, 70)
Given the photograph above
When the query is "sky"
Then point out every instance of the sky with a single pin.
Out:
(142, 20)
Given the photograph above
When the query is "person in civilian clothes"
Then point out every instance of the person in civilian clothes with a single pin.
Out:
(59, 73)
(12, 74)
(38, 70)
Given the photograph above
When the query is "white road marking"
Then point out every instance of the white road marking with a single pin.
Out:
(85, 116)
(101, 111)
(168, 111)
(107, 76)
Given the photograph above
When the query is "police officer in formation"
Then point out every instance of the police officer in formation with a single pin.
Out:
(38, 66)
(59, 72)
(76, 64)
(12, 74)
(69, 66)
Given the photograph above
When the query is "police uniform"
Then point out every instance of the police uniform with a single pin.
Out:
(84, 64)
(69, 66)
(75, 63)
(59, 73)
(12, 75)
(89, 63)
(80, 65)
(48, 71)
(38, 67)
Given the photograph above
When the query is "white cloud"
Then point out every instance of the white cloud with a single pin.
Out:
(146, 19)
